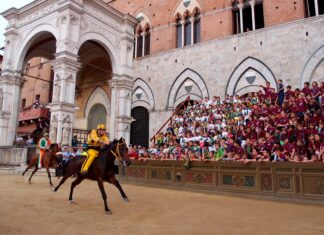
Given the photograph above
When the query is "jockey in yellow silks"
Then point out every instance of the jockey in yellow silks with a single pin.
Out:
(43, 144)
(96, 139)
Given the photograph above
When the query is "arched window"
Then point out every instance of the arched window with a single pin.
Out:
(196, 27)
(187, 31)
(140, 38)
(178, 32)
(97, 115)
(147, 41)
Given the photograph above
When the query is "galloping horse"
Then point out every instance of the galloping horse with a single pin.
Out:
(49, 160)
(102, 169)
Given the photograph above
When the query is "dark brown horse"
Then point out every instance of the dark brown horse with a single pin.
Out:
(49, 160)
(102, 169)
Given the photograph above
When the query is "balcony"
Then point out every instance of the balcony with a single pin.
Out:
(34, 113)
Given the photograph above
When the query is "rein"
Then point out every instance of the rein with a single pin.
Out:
(117, 152)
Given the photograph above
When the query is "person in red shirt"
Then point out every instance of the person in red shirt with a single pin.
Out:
(288, 148)
(289, 93)
(300, 149)
(132, 153)
(267, 90)
(306, 90)
(316, 91)
(282, 119)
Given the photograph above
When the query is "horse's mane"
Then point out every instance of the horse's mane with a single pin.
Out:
(110, 146)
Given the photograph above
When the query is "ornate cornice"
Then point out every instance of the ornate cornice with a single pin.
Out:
(66, 63)
(121, 83)
(11, 79)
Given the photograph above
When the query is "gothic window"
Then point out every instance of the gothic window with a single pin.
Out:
(140, 45)
(249, 18)
(187, 31)
(142, 42)
(147, 41)
(178, 32)
(196, 27)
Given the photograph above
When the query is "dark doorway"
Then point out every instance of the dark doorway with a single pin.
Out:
(140, 127)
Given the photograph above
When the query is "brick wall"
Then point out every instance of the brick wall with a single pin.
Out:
(216, 20)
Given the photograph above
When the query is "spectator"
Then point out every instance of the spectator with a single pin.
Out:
(75, 141)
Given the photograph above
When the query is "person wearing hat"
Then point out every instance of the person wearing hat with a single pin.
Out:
(96, 139)
(43, 144)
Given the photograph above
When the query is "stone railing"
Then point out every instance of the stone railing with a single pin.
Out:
(298, 182)
(12, 156)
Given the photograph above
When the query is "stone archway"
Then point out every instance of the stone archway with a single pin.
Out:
(142, 95)
(249, 65)
(188, 83)
(98, 96)
(71, 23)
(314, 62)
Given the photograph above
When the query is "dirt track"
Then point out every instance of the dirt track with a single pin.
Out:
(35, 209)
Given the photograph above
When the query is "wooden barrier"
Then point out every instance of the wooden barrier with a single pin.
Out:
(298, 182)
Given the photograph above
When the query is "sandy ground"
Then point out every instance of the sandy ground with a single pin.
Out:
(35, 209)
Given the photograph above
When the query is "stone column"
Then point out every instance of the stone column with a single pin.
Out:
(10, 91)
(143, 47)
(136, 38)
(121, 90)
(240, 6)
(183, 32)
(316, 7)
(252, 3)
(192, 21)
(65, 68)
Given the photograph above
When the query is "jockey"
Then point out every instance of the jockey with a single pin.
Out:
(96, 139)
(43, 145)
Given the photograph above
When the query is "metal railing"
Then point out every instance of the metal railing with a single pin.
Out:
(170, 119)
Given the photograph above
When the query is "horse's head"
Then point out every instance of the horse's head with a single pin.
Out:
(120, 151)
(54, 148)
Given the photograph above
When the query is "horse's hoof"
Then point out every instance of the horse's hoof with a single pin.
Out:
(29, 182)
(71, 201)
(53, 189)
(126, 199)
(109, 212)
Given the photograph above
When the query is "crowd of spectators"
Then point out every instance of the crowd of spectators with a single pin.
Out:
(263, 126)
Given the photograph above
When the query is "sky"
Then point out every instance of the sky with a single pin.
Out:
(5, 5)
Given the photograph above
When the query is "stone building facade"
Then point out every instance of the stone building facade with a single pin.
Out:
(181, 48)
(242, 44)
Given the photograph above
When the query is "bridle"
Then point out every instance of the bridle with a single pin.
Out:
(117, 152)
